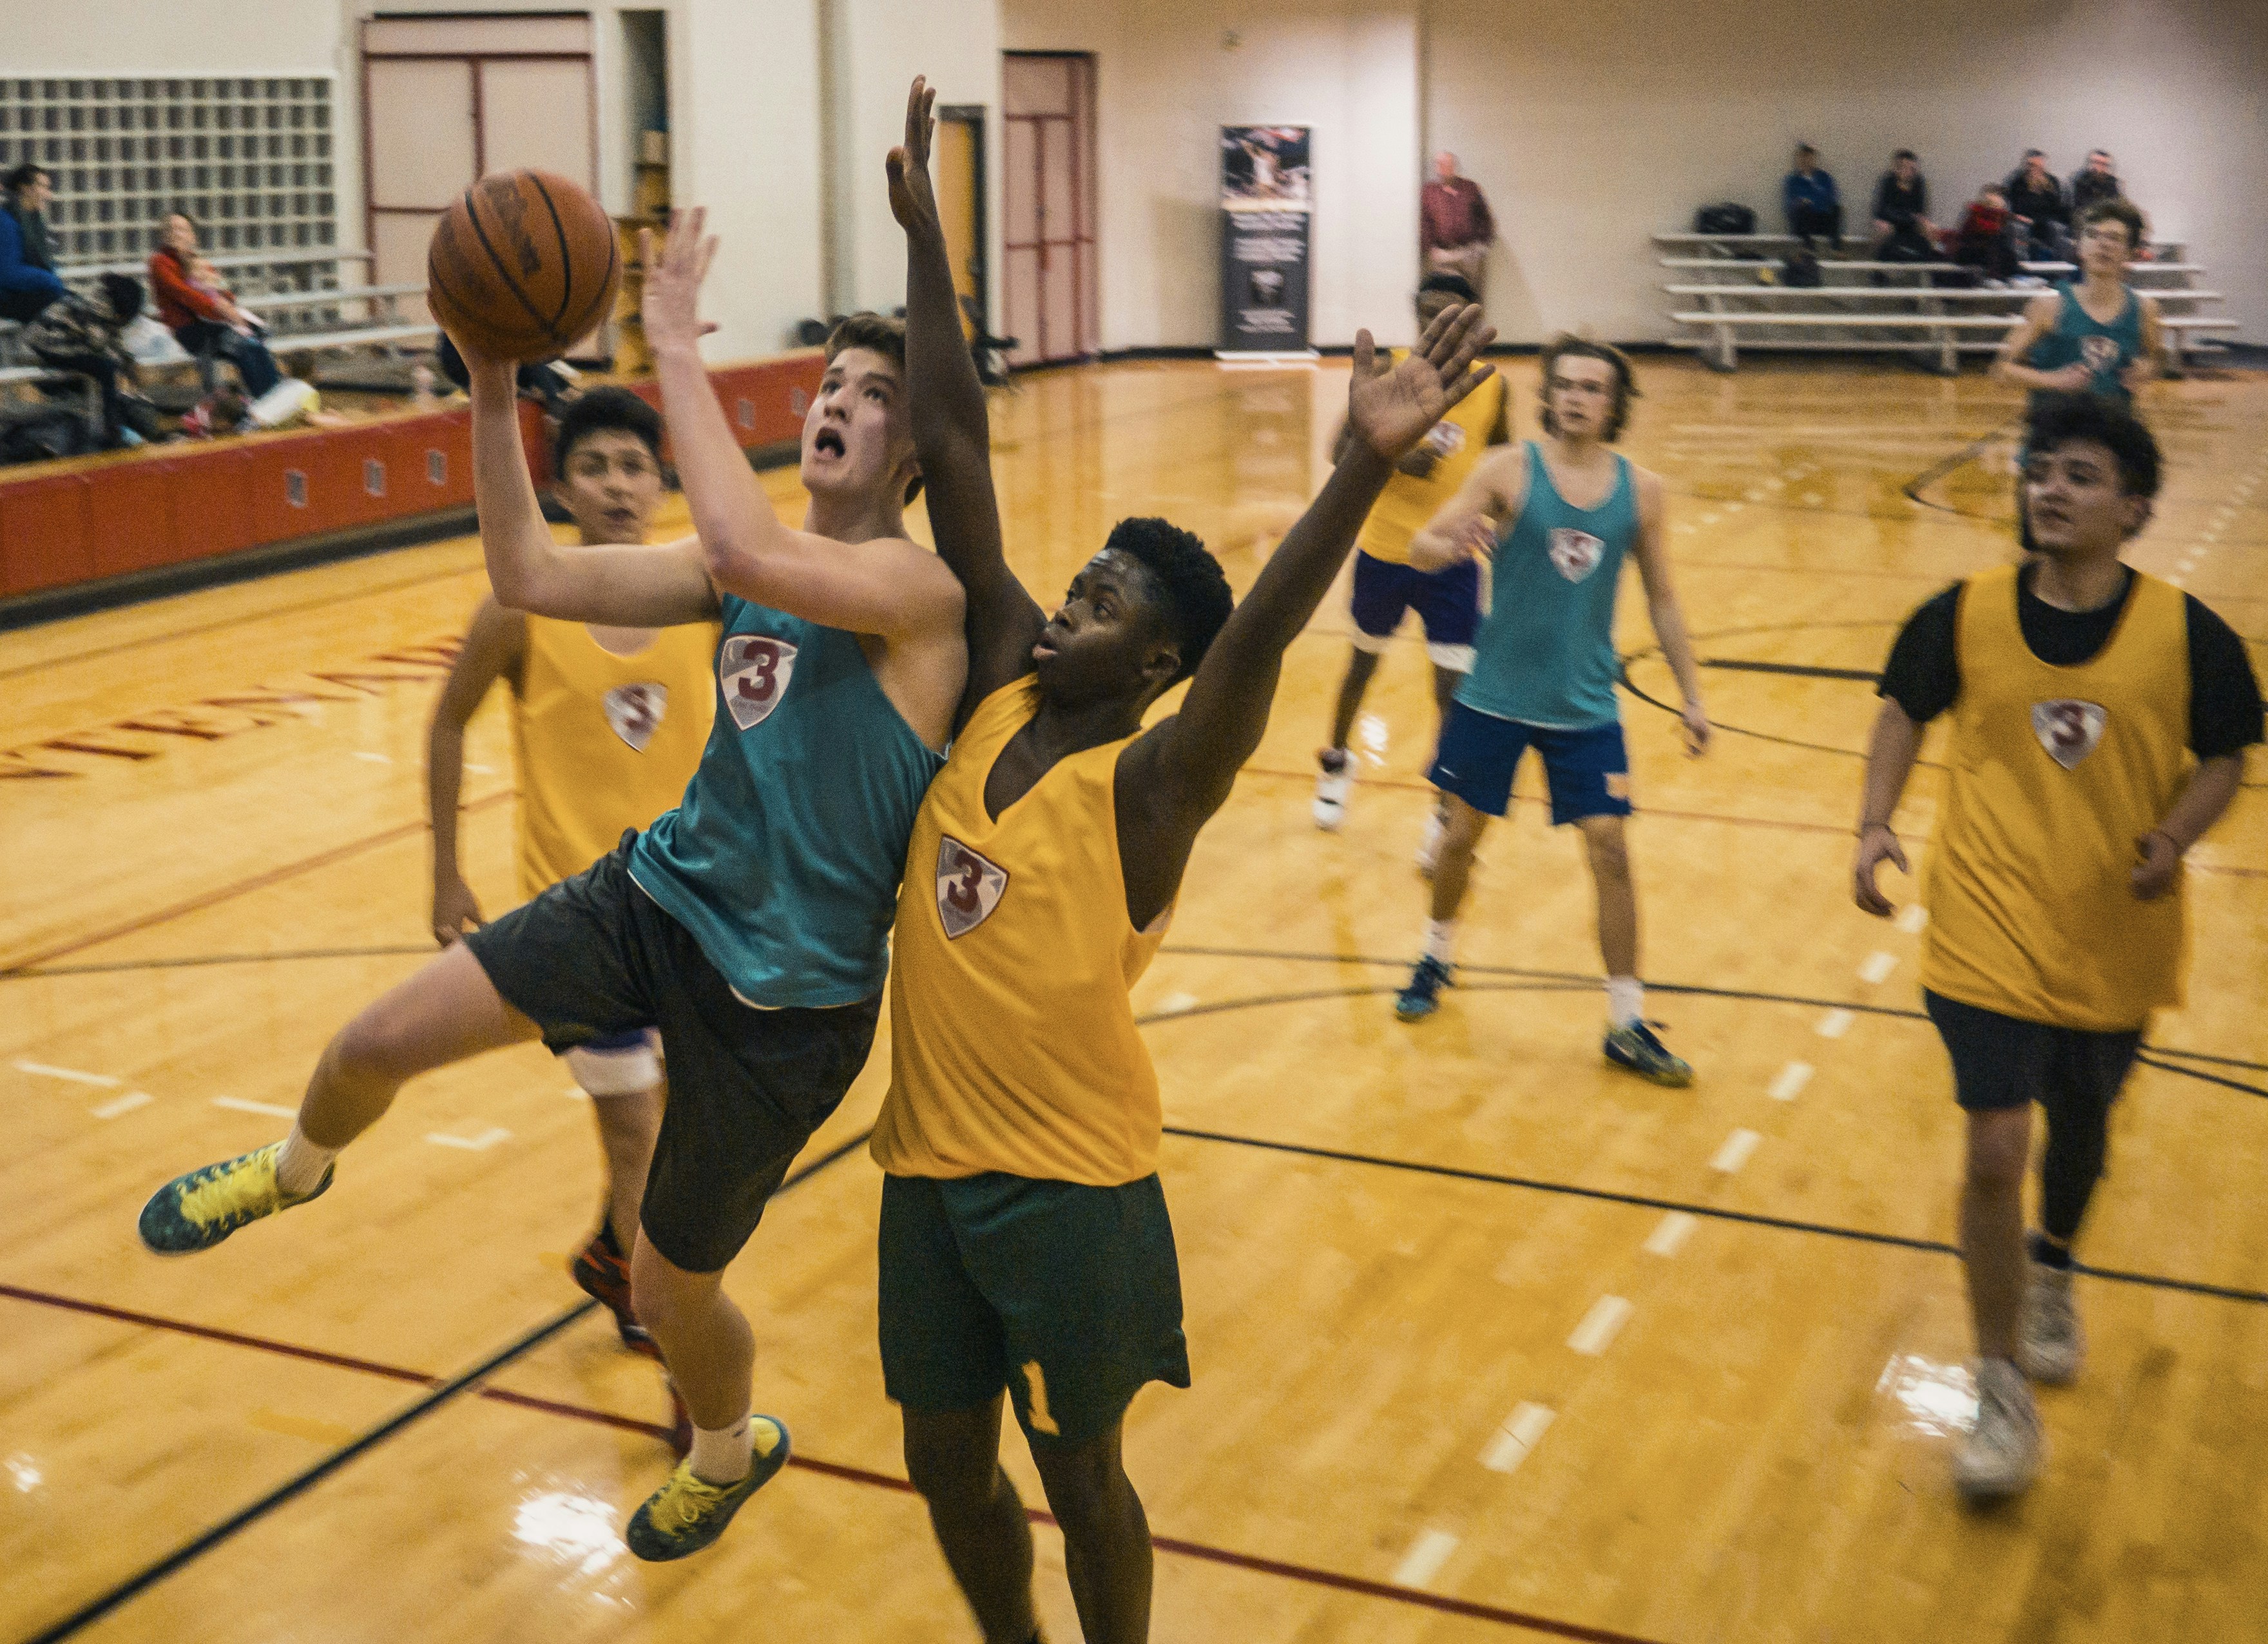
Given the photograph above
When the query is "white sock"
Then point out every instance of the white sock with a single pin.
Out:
(1441, 937)
(722, 1454)
(300, 1168)
(1625, 1000)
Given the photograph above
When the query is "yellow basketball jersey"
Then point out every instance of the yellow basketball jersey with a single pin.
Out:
(605, 743)
(1012, 1044)
(1408, 504)
(2055, 773)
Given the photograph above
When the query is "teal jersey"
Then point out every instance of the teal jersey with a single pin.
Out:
(2078, 336)
(785, 858)
(1545, 654)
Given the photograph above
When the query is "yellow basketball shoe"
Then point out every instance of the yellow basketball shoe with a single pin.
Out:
(688, 1512)
(197, 1211)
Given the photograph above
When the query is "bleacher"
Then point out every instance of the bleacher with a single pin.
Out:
(306, 297)
(1728, 293)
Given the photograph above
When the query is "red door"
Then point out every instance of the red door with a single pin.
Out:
(1051, 283)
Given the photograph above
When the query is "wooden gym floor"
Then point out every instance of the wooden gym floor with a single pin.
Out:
(1490, 1341)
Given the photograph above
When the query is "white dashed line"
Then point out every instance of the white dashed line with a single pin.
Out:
(1523, 1430)
(237, 1104)
(1668, 1236)
(125, 1103)
(1877, 968)
(576, 1093)
(1424, 1560)
(481, 1143)
(1601, 1325)
(1791, 1081)
(1911, 918)
(481, 770)
(1174, 1004)
(1736, 1151)
(73, 1074)
(375, 759)
(1835, 1024)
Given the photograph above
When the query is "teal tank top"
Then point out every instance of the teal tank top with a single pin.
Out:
(784, 859)
(1545, 654)
(2078, 336)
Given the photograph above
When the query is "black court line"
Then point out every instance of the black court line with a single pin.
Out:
(1694, 990)
(300, 1483)
(1712, 1213)
(1801, 670)
(189, 961)
(1968, 453)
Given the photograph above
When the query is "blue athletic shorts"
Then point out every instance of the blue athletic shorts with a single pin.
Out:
(1449, 603)
(1588, 769)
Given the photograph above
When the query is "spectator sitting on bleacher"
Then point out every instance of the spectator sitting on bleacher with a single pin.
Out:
(85, 336)
(28, 280)
(208, 325)
(1985, 239)
(1903, 230)
(2094, 184)
(1809, 197)
(2043, 215)
(206, 277)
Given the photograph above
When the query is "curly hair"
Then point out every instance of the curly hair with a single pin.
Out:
(1568, 345)
(2116, 210)
(1196, 597)
(2061, 418)
(601, 409)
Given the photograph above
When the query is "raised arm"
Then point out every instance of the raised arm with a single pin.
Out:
(886, 586)
(1668, 617)
(494, 649)
(1189, 762)
(951, 431)
(629, 584)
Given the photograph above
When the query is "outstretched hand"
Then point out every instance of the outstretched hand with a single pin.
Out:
(672, 308)
(1390, 408)
(911, 200)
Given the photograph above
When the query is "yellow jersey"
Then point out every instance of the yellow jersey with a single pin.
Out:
(2055, 773)
(605, 743)
(1012, 1043)
(1458, 441)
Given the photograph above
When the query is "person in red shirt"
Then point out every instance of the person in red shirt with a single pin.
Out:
(1985, 239)
(1455, 227)
(208, 325)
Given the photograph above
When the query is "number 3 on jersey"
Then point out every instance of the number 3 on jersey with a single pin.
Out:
(753, 672)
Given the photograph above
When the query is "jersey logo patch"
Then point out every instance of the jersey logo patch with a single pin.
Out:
(1445, 438)
(1574, 554)
(635, 711)
(2069, 730)
(969, 887)
(754, 672)
(2100, 353)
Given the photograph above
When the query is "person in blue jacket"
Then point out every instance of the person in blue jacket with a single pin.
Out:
(1809, 197)
(28, 280)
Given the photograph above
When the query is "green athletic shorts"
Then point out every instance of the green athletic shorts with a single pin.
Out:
(1069, 1296)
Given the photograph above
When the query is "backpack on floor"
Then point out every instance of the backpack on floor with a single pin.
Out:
(1725, 217)
(1801, 268)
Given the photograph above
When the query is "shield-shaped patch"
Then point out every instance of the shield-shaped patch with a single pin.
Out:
(635, 711)
(968, 887)
(2068, 730)
(754, 672)
(1574, 554)
(2100, 353)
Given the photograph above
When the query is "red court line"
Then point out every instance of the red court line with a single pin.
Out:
(257, 881)
(1307, 1574)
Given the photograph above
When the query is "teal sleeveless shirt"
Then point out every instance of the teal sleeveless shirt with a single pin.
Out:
(1545, 654)
(2078, 336)
(784, 859)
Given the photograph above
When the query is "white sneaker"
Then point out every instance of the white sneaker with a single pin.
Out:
(2051, 1345)
(2000, 1455)
(1429, 849)
(1332, 787)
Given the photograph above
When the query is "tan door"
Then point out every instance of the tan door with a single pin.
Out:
(1049, 276)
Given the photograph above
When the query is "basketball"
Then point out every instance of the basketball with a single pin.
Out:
(522, 264)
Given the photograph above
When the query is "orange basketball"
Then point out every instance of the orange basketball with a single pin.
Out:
(521, 265)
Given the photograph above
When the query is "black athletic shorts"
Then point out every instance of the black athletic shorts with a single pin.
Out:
(1069, 1296)
(594, 955)
(2001, 1061)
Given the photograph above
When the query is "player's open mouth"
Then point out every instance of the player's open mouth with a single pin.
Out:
(827, 442)
(1042, 651)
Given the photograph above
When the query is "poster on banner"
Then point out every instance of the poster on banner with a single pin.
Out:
(1266, 204)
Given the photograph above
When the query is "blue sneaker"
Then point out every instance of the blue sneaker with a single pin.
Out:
(1422, 997)
(688, 1512)
(1636, 1048)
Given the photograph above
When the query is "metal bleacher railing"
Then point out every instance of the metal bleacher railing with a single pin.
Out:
(1729, 293)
